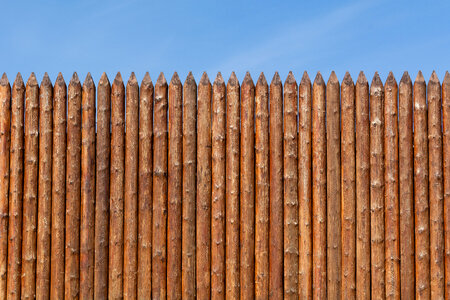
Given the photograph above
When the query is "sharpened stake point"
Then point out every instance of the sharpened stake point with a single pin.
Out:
(233, 81)
(290, 78)
(19, 80)
(32, 81)
(420, 77)
(161, 79)
(446, 78)
(262, 79)
(132, 78)
(46, 80)
(4, 81)
(88, 81)
(405, 78)
(434, 78)
(333, 78)
(391, 79)
(319, 79)
(248, 79)
(118, 79)
(147, 81)
(190, 78)
(205, 79)
(175, 79)
(104, 79)
(60, 79)
(305, 78)
(376, 80)
(219, 79)
(347, 79)
(362, 78)
(276, 78)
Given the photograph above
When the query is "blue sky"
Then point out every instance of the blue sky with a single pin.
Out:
(96, 36)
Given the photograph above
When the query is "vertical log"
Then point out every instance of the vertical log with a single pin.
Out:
(144, 275)
(204, 189)
(16, 167)
(159, 229)
(435, 188)
(87, 236)
(362, 188)
(446, 157)
(391, 200)
(333, 189)
(131, 189)
(5, 138)
(319, 192)
(262, 188)
(290, 188)
(232, 189)
(103, 153)
(218, 189)
(421, 206)
(348, 183)
(58, 189)
(247, 209)
(377, 187)
(45, 189)
(189, 187)
(73, 185)
(406, 187)
(305, 189)
(174, 189)
(115, 284)
(30, 188)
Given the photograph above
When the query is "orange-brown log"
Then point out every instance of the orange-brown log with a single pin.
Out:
(446, 166)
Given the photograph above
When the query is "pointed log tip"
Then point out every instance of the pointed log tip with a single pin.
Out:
(405, 78)
(333, 78)
(175, 79)
(233, 81)
(347, 79)
(60, 79)
(362, 78)
(46, 80)
(262, 79)
(290, 79)
(161, 79)
(190, 78)
(419, 77)
(319, 79)
(4, 80)
(434, 78)
(376, 81)
(147, 81)
(32, 81)
(75, 79)
(247, 79)
(305, 78)
(390, 80)
(132, 80)
(219, 79)
(19, 80)
(446, 80)
(276, 80)
(104, 79)
(88, 81)
(118, 79)
(205, 79)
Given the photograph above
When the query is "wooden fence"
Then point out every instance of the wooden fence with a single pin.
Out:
(225, 190)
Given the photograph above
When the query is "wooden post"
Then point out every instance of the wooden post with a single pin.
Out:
(247, 205)
(290, 188)
(144, 267)
(262, 188)
(305, 189)
(115, 269)
(446, 157)
(45, 189)
(362, 132)
(73, 185)
(333, 189)
(159, 229)
(189, 188)
(319, 192)
(232, 189)
(348, 183)
(204, 189)
(377, 187)
(391, 198)
(103, 155)
(421, 206)
(406, 187)
(5, 139)
(435, 188)
(131, 189)
(218, 189)
(30, 188)
(175, 166)
(87, 237)
(58, 189)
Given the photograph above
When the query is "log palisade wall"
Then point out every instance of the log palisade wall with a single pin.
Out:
(225, 190)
